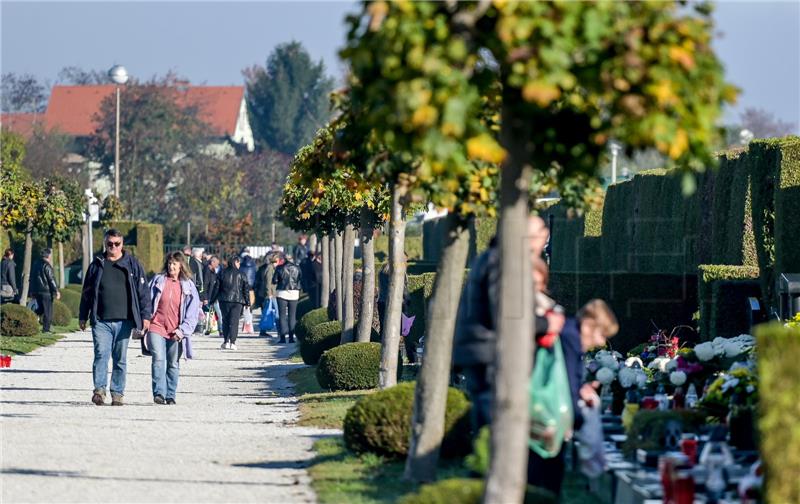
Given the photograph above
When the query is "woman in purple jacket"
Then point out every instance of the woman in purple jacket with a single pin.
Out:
(176, 308)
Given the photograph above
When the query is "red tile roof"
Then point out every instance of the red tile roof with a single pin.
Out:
(72, 109)
(21, 123)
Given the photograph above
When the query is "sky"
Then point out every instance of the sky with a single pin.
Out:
(211, 42)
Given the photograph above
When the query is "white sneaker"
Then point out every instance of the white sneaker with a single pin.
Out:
(233, 346)
(224, 345)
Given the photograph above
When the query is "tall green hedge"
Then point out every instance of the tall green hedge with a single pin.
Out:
(787, 208)
(143, 240)
(641, 301)
(778, 377)
(729, 307)
(413, 248)
(733, 241)
(708, 274)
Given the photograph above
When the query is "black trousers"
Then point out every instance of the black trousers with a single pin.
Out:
(546, 473)
(45, 302)
(287, 317)
(231, 312)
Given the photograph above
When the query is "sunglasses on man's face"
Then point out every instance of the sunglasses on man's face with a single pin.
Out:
(112, 244)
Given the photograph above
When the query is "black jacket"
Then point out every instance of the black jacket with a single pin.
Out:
(476, 322)
(233, 287)
(287, 277)
(8, 273)
(210, 285)
(137, 284)
(43, 280)
(300, 252)
(198, 274)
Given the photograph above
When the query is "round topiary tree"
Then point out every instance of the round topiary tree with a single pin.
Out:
(61, 313)
(381, 422)
(73, 301)
(16, 320)
(352, 366)
(309, 320)
(321, 337)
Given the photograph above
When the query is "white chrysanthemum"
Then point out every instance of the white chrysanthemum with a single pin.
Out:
(641, 378)
(705, 351)
(735, 348)
(671, 365)
(605, 375)
(677, 378)
(630, 361)
(738, 365)
(627, 377)
(659, 364)
(607, 360)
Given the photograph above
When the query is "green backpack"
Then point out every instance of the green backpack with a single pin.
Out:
(551, 402)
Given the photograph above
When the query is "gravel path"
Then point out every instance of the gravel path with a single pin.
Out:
(230, 438)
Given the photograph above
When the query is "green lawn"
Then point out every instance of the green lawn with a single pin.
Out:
(16, 345)
(319, 408)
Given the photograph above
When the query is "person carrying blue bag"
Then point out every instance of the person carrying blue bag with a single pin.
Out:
(265, 292)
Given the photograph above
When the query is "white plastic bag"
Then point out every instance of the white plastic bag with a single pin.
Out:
(591, 453)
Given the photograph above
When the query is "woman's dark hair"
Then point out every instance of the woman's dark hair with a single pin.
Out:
(8, 253)
(179, 258)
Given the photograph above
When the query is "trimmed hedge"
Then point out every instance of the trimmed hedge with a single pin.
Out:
(381, 422)
(352, 366)
(708, 274)
(778, 375)
(143, 240)
(16, 320)
(309, 320)
(62, 315)
(413, 248)
(733, 240)
(320, 338)
(467, 491)
(729, 307)
(787, 207)
(641, 301)
(73, 301)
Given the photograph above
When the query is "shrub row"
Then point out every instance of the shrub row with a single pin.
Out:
(16, 320)
(778, 375)
(739, 281)
(62, 315)
(309, 320)
(72, 299)
(352, 366)
(381, 422)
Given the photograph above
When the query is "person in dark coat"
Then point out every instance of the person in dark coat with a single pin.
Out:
(300, 251)
(8, 278)
(210, 289)
(116, 300)
(287, 280)
(44, 287)
(233, 296)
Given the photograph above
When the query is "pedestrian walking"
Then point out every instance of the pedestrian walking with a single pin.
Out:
(176, 309)
(116, 300)
(316, 267)
(8, 278)
(248, 267)
(234, 295)
(300, 251)
(264, 288)
(287, 279)
(44, 288)
(210, 291)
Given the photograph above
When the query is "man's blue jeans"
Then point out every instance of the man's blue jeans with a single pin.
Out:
(111, 340)
(165, 366)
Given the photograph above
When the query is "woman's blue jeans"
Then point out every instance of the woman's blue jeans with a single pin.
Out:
(165, 366)
(110, 339)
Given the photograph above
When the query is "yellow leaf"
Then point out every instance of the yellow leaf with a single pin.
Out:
(424, 116)
(682, 56)
(679, 145)
(483, 147)
(541, 93)
(662, 92)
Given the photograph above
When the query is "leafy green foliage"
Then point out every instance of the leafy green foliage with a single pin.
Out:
(16, 320)
(310, 320)
(352, 366)
(320, 338)
(62, 315)
(778, 356)
(60, 210)
(72, 300)
(467, 491)
(287, 99)
(708, 274)
(380, 423)
(112, 209)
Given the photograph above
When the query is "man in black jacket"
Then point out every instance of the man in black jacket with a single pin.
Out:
(234, 295)
(8, 278)
(210, 288)
(44, 287)
(116, 300)
(288, 279)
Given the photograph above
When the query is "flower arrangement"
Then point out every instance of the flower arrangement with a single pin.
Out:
(794, 322)
(741, 381)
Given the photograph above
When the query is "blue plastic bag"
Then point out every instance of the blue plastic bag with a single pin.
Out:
(268, 315)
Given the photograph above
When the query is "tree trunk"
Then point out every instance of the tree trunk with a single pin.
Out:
(347, 284)
(506, 479)
(312, 243)
(430, 396)
(61, 275)
(325, 286)
(87, 255)
(332, 264)
(394, 304)
(26, 268)
(339, 283)
(367, 277)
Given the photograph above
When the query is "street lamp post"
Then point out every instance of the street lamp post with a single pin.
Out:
(119, 76)
(615, 148)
